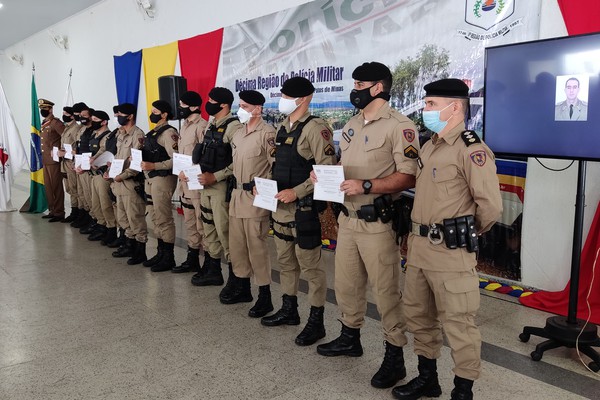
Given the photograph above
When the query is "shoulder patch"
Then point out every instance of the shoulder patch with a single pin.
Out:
(141, 140)
(411, 152)
(175, 137)
(346, 137)
(326, 134)
(470, 137)
(478, 157)
(329, 150)
(271, 142)
(175, 147)
(409, 135)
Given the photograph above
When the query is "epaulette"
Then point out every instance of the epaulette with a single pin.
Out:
(470, 137)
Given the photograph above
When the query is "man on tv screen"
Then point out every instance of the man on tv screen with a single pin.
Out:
(573, 108)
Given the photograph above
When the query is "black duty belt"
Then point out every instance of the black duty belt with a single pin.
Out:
(246, 186)
(456, 232)
(434, 232)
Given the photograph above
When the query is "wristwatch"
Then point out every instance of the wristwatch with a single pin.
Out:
(367, 185)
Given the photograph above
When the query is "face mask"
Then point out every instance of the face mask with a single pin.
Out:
(76, 117)
(184, 112)
(213, 108)
(45, 113)
(361, 98)
(287, 106)
(96, 125)
(244, 115)
(154, 118)
(84, 120)
(432, 121)
(67, 118)
(123, 120)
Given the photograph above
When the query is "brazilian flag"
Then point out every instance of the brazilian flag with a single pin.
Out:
(37, 193)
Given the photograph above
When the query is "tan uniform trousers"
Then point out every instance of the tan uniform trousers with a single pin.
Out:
(84, 190)
(292, 260)
(193, 222)
(102, 205)
(369, 258)
(159, 190)
(71, 187)
(250, 255)
(55, 193)
(131, 216)
(435, 299)
(216, 211)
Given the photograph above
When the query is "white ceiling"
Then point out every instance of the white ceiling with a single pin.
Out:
(20, 19)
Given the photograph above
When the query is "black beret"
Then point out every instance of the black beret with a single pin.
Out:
(221, 95)
(126, 108)
(162, 106)
(191, 98)
(68, 110)
(101, 115)
(372, 72)
(115, 109)
(297, 87)
(79, 107)
(252, 97)
(450, 87)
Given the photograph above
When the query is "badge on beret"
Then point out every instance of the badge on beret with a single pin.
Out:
(329, 150)
(409, 134)
(346, 137)
(271, 142)
(411, 152)
(326, 134)
(351, 132)
(478, 157)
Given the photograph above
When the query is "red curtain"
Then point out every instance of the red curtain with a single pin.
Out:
(199, 59)
(581, 16)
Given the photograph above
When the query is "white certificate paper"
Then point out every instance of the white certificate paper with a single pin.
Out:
(78, 158)
(103, 159)
(68, 151)
(116, 167)
(85, 161)
(55, 154)
(136, 160)
(181, 162)
(329, 179)
(267, 190)
(192, 174)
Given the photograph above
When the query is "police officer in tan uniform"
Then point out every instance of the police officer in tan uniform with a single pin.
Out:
(157, 164)
(84, 179)
(572, 109)
(302, 141)
(213, 153)
(253, 147)
(83, 217)
(457, 198)
(128, 187)
(69, 136)
(379, 150)
(190, 135)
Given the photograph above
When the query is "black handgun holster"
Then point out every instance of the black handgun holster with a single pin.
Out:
(308, 229)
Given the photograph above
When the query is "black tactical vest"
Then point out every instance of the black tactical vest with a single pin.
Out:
(111, 142)
(94, 142)
(154, 152)
(84, 141)
(290, 168)
(213, 154)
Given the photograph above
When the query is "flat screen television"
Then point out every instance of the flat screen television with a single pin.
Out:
(542, 98)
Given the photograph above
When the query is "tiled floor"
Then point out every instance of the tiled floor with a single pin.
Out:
(76, 323)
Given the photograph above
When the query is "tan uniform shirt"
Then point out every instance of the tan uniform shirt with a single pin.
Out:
(455, 180)
(69, 136)
(253, 156)
(127, 140)
(191, 134)
(387, 144)
(562, 111)
(50, 134)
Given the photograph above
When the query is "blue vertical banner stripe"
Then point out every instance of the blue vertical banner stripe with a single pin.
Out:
(127, 76)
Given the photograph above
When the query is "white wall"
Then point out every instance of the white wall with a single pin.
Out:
(113, 27)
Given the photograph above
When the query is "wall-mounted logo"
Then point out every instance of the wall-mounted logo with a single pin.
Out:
(487, 14)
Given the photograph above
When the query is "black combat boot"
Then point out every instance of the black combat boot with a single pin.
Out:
(118, 241)
(463, 389)
(213, 276)
(98, 233)
(230, 286)
(72, 217)
(314, 329)
(125, 250)
(110, 236)
(426, 384)
(392, 368)
(167, 261)
(347, 344)
(191, 264)
(154, 260)
(241, 292)
(263, 305)
(287, 314)
(88, 228)
(82, 219)
(197, 277)
(139, 254)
